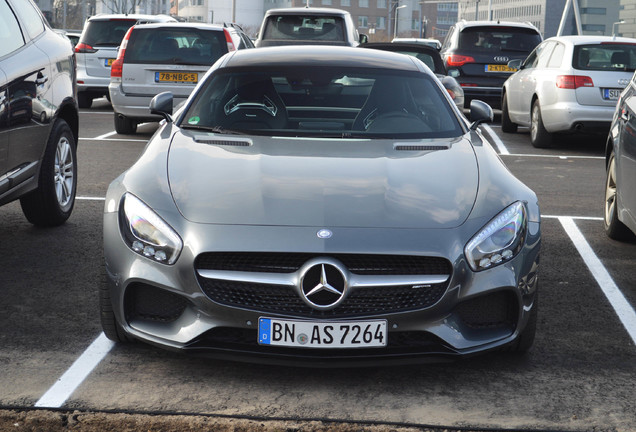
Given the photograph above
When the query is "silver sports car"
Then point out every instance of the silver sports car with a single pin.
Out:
(321, 206)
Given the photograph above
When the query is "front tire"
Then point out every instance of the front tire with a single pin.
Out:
(52, 202)
(539, 136)
(525, 340)
(124, 125)
(614, 228)
(506, 124)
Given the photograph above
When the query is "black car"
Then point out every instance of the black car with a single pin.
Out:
(476, 54)
(38, 115)
(430, 57)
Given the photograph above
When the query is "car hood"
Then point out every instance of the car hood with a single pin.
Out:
(322, 182)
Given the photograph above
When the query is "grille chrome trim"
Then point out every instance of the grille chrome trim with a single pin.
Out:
(292, 279)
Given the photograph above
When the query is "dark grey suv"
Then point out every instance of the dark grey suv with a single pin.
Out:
(38, 115)
(476, 54)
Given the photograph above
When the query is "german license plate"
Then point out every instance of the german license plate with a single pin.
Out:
(611, 94)
(499, 68)
(334, 334)
(108, 62)
(185, 77)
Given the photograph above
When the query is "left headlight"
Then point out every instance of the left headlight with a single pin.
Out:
(500, 240)
(146, 233)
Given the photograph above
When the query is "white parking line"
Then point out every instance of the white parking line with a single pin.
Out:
(75, 375)
(616, 298)
(90, 198)
(106, 135)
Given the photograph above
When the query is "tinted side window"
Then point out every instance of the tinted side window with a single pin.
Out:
(31, 18)
(10, 34)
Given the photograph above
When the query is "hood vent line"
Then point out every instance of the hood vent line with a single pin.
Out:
(412, 147)
(223, 142)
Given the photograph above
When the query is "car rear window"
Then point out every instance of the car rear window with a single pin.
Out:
(323, 102)
(605, 57)
(499, 39)
(106, 32)
(304, 27)
(175, 46)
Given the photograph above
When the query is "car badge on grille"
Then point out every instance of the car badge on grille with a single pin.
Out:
(324, 233)
(323, 284)
(502, 59)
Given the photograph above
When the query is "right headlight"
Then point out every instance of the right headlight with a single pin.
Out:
(146, 233)
(500, 240)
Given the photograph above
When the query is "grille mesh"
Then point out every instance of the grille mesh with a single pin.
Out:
(357, 264)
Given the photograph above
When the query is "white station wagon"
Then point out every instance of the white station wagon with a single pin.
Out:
(568, 84)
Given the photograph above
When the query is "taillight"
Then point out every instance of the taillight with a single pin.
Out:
(117, 67)
(230, 42)
(468, 84)
(84, 48)
(458, 60)
(573, 81)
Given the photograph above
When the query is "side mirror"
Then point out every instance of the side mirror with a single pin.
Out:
(515, 64)
(480, 112)
(162, 105)
(363, 38)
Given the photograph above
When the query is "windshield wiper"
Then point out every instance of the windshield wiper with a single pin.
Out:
(215, 129)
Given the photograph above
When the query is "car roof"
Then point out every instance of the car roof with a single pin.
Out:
(307, 11)
(590, 39)
(410, 46)
(104, 17)
(320, 55)
(466, 24)
(204, 26)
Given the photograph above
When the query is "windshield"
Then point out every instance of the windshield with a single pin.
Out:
(605, 56)
(305, 27)
(324, 102)
(172, 45)
(499, 39)
(106, 32)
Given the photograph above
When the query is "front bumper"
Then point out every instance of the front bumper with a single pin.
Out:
(168, 306)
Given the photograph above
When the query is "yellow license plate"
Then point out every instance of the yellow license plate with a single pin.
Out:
(499, 68)
(108, 62)
(185, 77)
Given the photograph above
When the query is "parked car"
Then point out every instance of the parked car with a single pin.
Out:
(97, 49)
(72, 35)
(430, 42)
(165, 57)
(568, 84)
(320, 205)
(308, 26)
(38, 115)
(620, 196)
(476, 54)
(431, 58)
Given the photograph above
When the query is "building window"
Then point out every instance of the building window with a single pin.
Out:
(326, 2)
(381, 4)
(363, 3)
(363, 21)
(594, 11)
(380, 23)
(594, 28)
(345, 2)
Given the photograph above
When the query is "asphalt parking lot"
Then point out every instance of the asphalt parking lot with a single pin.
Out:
(58, 370)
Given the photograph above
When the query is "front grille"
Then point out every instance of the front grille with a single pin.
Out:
(273, 262)
(150, 303)
(279, 299)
